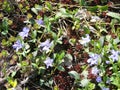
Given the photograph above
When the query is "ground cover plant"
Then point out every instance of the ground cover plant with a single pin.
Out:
(59, 45)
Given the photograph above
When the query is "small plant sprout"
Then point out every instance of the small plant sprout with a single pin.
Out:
(48, 62)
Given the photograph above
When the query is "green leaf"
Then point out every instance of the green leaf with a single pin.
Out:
(42, 70)
(93, 8)
(49, 6)
(42, 82)
(63, 10)
(108, 38)
(69, 57)
(101, 40)
(61, 55)
(72, 41)
(114, 15)
(61, 68)
(84, 82)
(5, 26)
(86, 29)
(96, 8)
(103, 8)
(116, 41)
(13, 73)
(35, 65)
(82, 2)
(27, 46)
(85, 73)
(38, 7)
(62, 13)
(56, 88)
(47, 24)
(34, 10)
(12, 82)
(91, 86)
(116, 81)
(24, 63)
(58, 15)
(74, 74)
(4, 52)
(34, 34)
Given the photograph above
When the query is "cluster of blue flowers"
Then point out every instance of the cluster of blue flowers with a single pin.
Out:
(93, 61)
(45, 46)
(24, 33)
(18, 44)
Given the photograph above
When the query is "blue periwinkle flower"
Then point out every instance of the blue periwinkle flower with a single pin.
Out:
(98, 79)
(93, 60)
(26, 29)
(40, 22)
(48, 62)
(104, 88)
(114, 55)
(95, 70)
(18, 45)
(46, 45)
(24, 32)
(107, 62)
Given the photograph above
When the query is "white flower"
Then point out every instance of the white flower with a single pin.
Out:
(85, 40)
(94, 19)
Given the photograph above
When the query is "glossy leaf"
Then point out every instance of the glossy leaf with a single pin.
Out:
(74, 74)
(114, 15)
